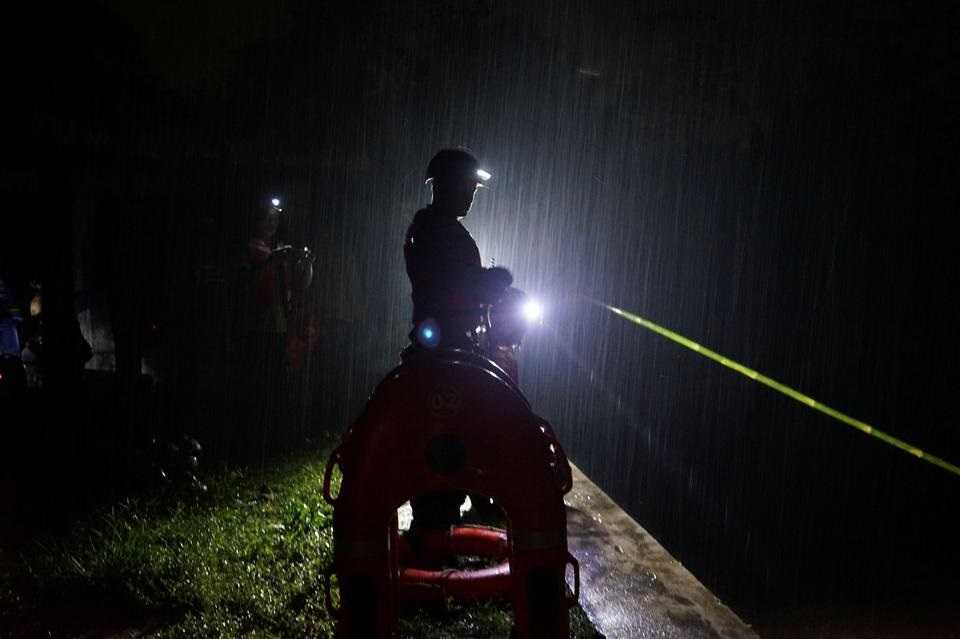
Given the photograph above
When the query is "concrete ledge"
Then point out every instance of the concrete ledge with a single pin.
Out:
(630, 585)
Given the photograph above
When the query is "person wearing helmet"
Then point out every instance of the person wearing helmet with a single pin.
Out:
(450, 287)
(450, 291)
(273, 276)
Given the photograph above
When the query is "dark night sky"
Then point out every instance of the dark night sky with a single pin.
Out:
(775, 182)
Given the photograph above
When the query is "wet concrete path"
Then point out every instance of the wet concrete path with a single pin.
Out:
(631, 588)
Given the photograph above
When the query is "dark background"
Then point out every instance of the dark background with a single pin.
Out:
(774, 182)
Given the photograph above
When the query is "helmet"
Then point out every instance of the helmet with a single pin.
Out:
(456, 163)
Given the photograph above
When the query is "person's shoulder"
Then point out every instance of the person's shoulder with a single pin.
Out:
(430, 220)
(421, 216)
(417, 222)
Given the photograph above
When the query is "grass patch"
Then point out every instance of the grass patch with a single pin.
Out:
(244, 559)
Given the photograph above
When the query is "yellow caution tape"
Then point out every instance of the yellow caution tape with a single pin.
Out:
(783, 388)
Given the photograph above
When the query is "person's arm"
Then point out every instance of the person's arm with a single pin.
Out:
(490, 283)
(443, 258)
(487, 284)
(284, 251)
(260, 252)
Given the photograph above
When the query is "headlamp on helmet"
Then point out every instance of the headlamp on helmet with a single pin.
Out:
(456, 165)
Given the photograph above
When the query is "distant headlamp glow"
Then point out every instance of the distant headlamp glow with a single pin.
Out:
(532, 311)
(483, 175)
(275, 201)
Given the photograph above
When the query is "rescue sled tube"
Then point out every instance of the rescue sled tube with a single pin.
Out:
(434, 546)
(424, 585)
(462, 357)
(418, 586)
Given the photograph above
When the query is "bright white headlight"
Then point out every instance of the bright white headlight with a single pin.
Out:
(275, 201)
(532, 311)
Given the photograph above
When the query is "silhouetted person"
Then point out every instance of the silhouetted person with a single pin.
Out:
(273, 273)
(36, 354)
(451, 289)
(450, 285)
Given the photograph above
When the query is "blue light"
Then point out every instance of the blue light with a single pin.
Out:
(428, 334)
